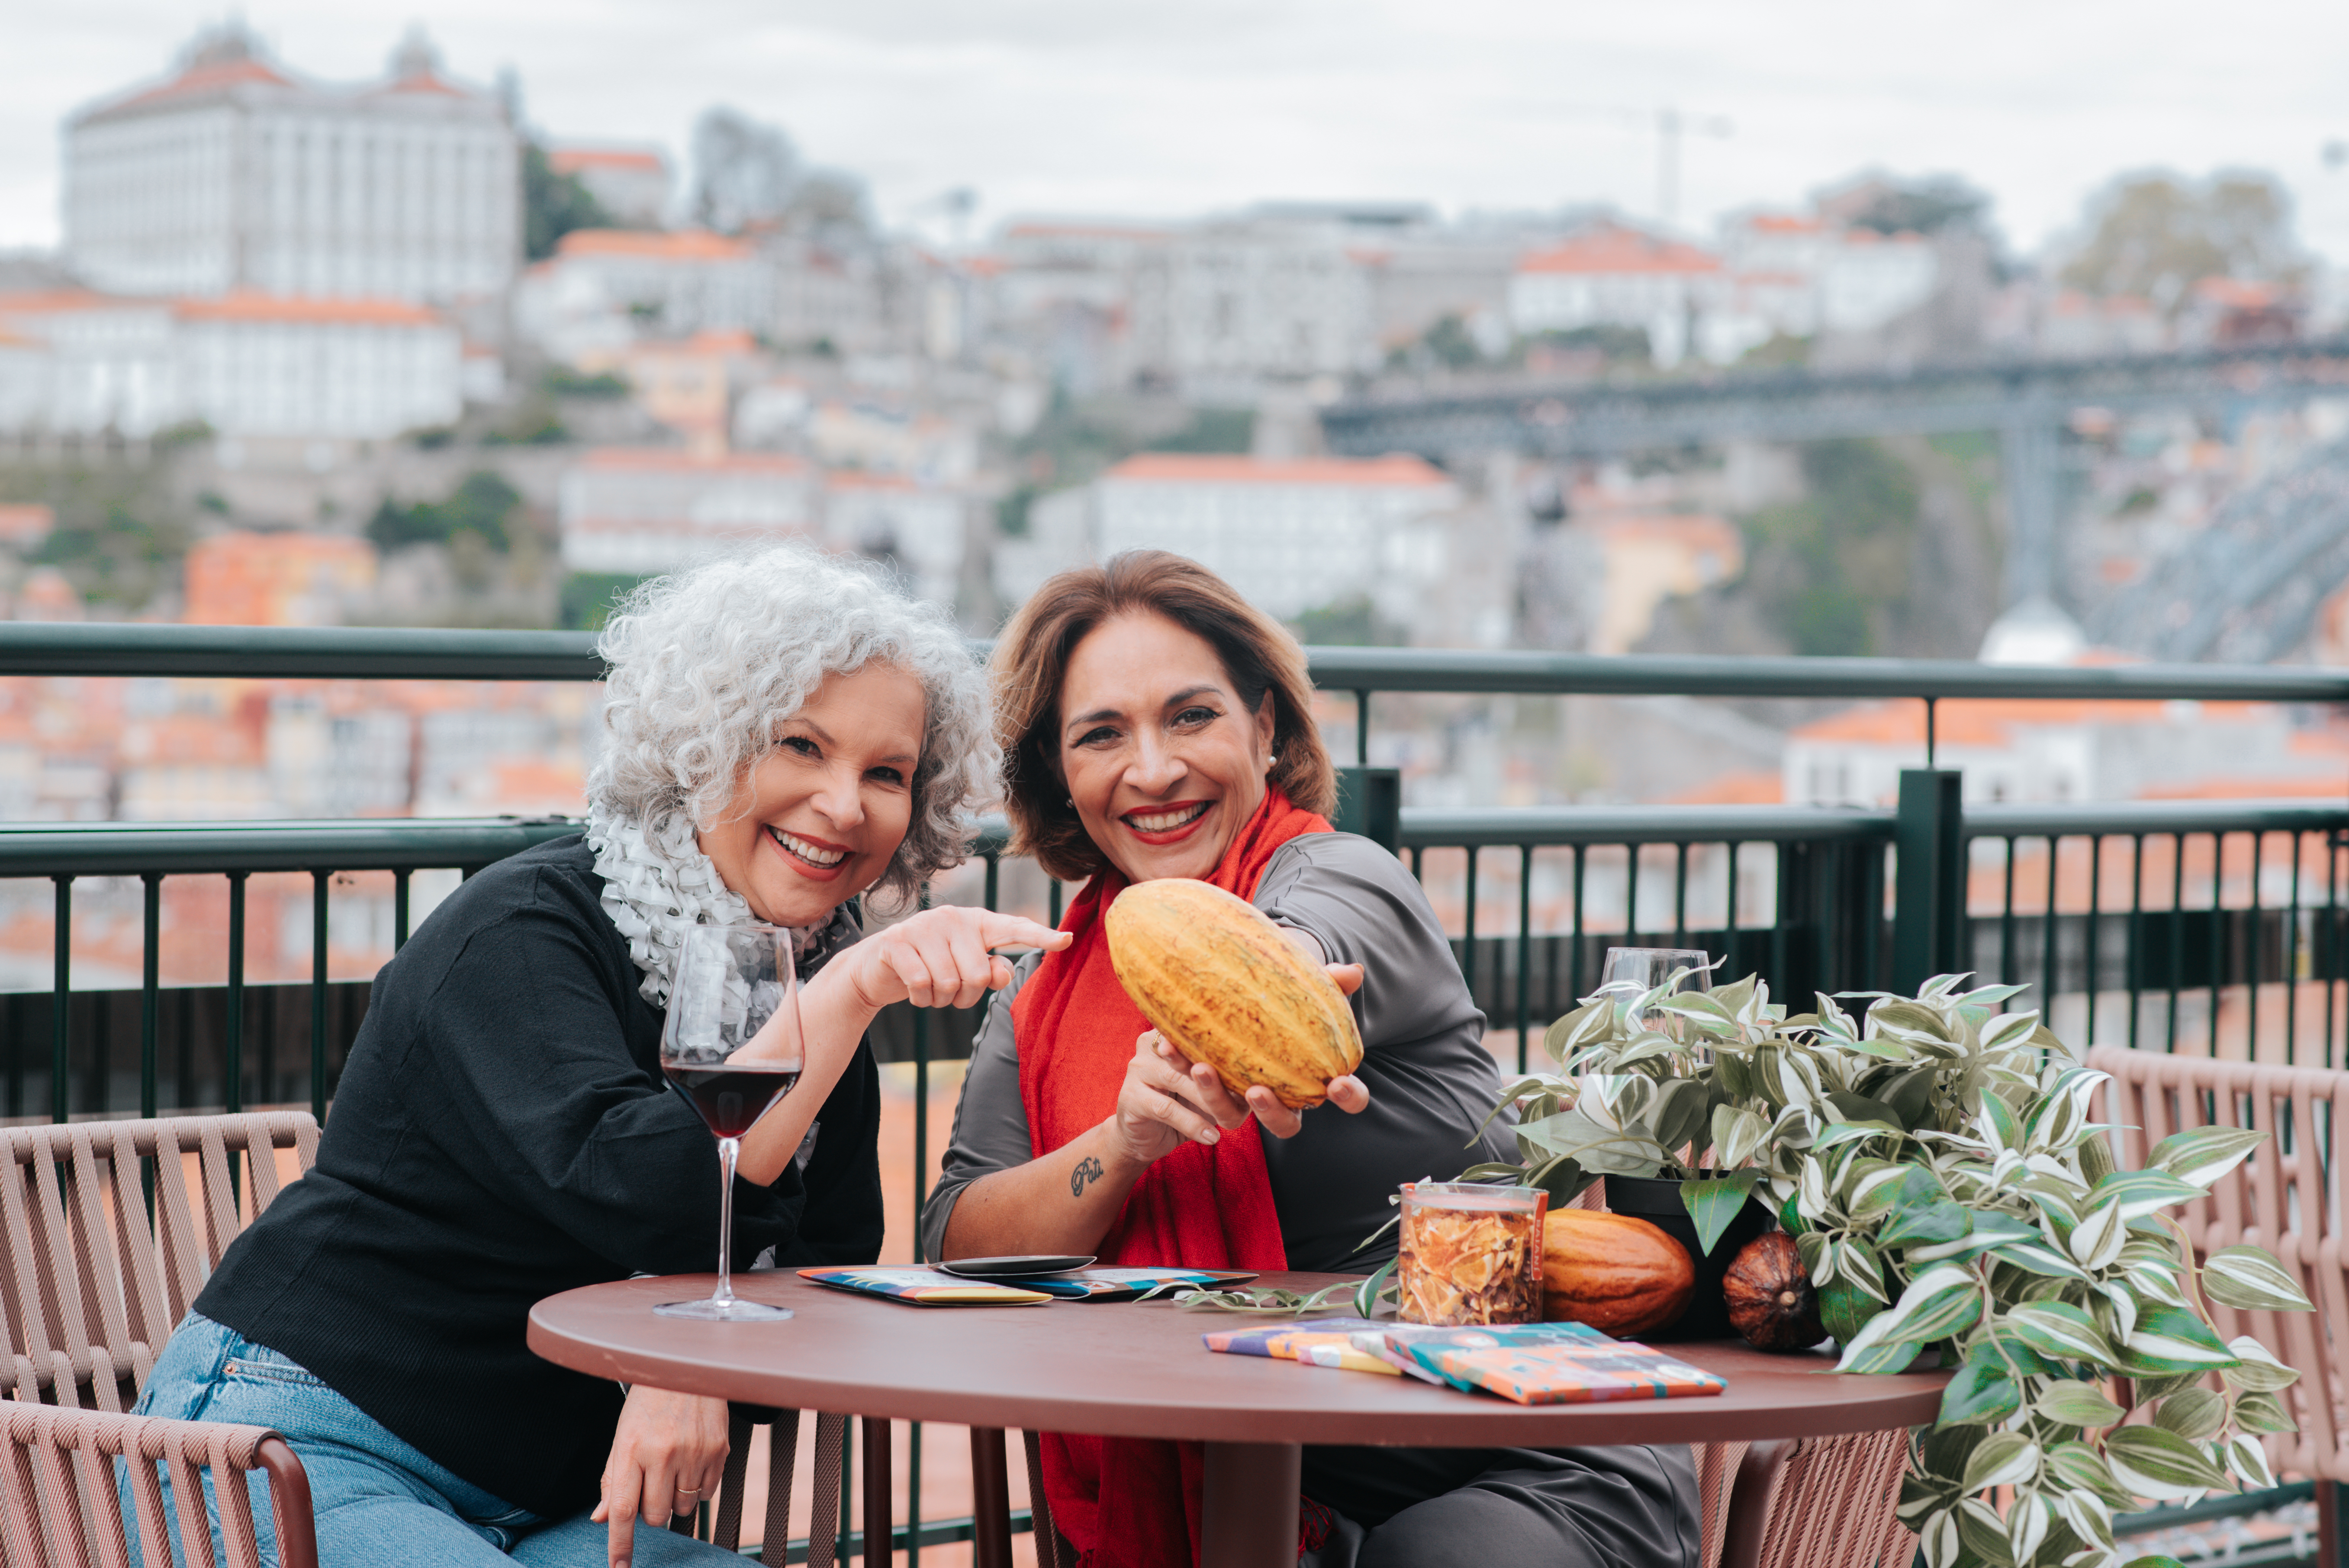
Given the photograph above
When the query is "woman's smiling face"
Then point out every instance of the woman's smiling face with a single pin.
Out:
(1162, 761)
(817, 818)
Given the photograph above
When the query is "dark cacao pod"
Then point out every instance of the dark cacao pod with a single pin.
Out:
(1769, 1295)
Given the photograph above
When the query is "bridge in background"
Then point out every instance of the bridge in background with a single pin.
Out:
(2027, 402)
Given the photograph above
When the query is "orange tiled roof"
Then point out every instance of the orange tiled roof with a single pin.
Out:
(2237, 787)
(48, 301)
(661, 459)
(1784, 223)
(251, 305)
(571, 160)
(1753, 786)
(1619, 250)
(1211, 468)
(204, 79)
(684, 245)
(1989, 720)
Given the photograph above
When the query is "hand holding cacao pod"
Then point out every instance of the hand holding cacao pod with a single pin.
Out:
(1226, 986)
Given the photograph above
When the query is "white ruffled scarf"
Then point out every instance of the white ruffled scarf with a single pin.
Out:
(657, 885)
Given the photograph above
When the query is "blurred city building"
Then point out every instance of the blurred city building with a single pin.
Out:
(630, 183)
(240, 579)
(603, 288)
(643, 511)
(244, 363)
(235, 172)
(1292, 535)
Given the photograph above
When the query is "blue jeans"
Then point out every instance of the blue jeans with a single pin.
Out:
(379, 1503)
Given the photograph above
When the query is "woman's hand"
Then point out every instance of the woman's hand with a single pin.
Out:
(1167, 1099)
(668, 1458)
(940, 958)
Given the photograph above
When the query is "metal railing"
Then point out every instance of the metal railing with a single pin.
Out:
(2072, 900)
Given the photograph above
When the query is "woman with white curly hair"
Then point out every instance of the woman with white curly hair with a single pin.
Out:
(783, 733)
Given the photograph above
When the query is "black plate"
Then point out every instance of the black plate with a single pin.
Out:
(1033, 1266)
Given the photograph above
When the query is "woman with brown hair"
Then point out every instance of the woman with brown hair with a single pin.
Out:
(1155, 724)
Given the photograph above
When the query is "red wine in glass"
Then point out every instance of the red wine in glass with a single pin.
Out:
(730, 1098)
(732, 1045)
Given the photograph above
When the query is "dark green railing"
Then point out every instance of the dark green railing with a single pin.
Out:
(1813, 899)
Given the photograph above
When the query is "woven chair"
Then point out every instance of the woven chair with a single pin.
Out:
(58, 1488)
(105, 1245)
(2287, 1199)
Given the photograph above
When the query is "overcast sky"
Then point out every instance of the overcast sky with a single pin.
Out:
(1120, 107)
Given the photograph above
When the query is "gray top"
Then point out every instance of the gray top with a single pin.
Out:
(1423, 1060)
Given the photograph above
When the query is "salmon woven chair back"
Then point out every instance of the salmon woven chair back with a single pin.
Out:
(1810, 1503)
(110, 1228)
(61, 1508)
(2286, 1198)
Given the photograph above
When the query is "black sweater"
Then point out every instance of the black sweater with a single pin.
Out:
(502, 1132)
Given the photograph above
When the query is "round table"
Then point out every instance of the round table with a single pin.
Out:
(1123, 1369)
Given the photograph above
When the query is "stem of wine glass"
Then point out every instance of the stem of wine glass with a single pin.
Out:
(729, 1150)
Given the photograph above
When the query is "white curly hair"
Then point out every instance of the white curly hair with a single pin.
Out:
(706, 663)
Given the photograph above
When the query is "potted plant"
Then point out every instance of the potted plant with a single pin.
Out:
(1934, 1161)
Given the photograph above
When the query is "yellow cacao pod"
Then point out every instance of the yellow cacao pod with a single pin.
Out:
(1616, 1272)
(1224, 985)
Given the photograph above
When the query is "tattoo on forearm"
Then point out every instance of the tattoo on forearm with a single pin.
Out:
(1088, 1169)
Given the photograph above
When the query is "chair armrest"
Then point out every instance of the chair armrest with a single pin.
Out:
(59, 1484)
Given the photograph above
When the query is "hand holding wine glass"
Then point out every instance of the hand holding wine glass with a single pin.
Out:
(732, 1045)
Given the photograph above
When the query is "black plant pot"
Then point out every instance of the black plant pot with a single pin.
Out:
(1657, 1199)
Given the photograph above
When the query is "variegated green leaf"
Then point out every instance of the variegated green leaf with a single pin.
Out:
(1982, 1393)
(2075, 1464)
(2249, 1459)
(1983, 1531)
(2071, 1403)
(2205, 1154)
(2256, 1368)
(2027, 1522)
(2171, 1340)
(2039, 1258)
(1938, 1542)
(2090, 1517)
(2061, 1330)
(2004, 1459)
(1938, 1303)
(2249, 1277)
(2159, 1465)
(2138, 1193)
(2193, 1414)
(2097, 1240)
(2263, 1413)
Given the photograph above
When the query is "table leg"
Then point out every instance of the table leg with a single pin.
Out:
(879, 1504)
(1251, 1505)
(990, 1500)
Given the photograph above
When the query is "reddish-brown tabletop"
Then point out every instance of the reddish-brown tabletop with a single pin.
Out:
(1120, 1369)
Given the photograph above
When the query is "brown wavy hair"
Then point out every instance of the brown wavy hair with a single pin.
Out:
(1259, 657)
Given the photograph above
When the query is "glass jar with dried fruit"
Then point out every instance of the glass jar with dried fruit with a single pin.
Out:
(1470, 1253)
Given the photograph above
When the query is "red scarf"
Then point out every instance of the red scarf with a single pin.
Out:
(1132, 1502)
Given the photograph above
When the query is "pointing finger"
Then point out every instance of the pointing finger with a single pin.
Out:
(997, 929)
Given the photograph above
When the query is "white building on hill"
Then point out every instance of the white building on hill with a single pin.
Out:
(1292, 535)
(603, 288)
(248, 364)
(641, 510)
(631, 184)
(236, 174)
(366, 370)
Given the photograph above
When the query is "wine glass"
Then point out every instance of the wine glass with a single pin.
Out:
(732, 1045)
(1630, 973)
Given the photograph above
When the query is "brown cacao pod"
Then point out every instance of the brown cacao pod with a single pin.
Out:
(1619, 1275)
(1218, 979)
(1769, 1294)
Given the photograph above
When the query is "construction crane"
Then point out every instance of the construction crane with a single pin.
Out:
(1669, 124)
